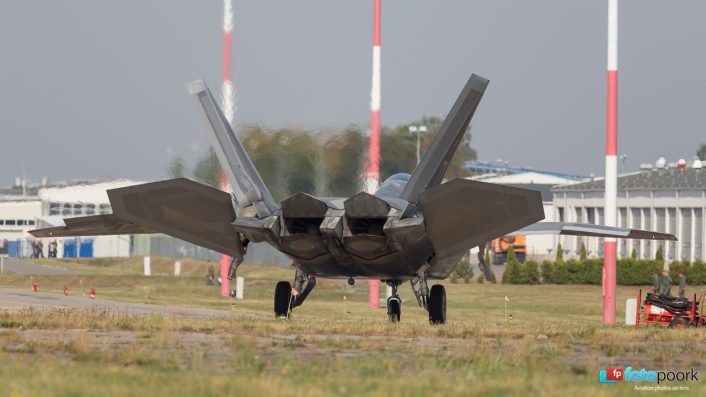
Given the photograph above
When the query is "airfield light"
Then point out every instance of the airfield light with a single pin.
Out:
(417, 130)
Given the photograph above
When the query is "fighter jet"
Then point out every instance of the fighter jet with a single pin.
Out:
(414, 228)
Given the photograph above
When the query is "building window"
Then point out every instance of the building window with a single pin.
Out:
(78, 209)
(31, 223)
(10, 222)
(104, 209)
(90, 209)
(54, 208)
(591, 215)
(561, 214)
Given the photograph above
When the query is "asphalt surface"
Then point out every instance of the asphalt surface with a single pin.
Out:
(18, 299)
(14, 266)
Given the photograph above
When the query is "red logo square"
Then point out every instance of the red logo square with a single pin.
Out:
(614, 374)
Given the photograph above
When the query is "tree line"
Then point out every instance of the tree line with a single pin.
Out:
(322, 162)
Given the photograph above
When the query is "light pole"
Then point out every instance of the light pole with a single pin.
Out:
(417, 130)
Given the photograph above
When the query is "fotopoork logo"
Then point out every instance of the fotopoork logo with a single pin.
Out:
(612, 375)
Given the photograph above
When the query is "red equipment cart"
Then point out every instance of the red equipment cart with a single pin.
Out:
(647, 313)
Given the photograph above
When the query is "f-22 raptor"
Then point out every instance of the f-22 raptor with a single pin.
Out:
(414, 228)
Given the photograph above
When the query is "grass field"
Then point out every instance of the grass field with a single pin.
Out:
(554, 345)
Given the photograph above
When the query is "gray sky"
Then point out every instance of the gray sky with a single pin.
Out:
(97, 89)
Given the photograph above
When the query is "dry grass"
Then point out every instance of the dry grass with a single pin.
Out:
(554, 345)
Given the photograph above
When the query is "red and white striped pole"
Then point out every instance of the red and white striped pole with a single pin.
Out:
(228, 106)
(611, 167)
(372, 172)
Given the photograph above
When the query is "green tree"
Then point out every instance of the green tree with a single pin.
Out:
(583, 251)
(659, 255)
(532, 271)
(702, 152)
(177, 168)
(514, 271)
(633, 254)
(547, 268)
(464, 270)
(208, 170)
(559, 254)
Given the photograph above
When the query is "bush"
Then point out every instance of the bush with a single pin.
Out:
(464, 270)
(697, 274)
(532, 271)
(547, 267)
(514, 270)
(637, 271)
(559, 254)
(559, 274)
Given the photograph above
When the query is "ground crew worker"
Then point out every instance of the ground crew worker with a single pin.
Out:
(666, 284)
(211, 276)
(682, 285)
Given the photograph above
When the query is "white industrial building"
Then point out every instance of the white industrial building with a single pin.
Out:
(25, 208)
(663, 198)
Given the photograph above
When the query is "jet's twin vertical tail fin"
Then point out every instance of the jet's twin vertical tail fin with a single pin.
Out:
(248, 187)
(436, 159)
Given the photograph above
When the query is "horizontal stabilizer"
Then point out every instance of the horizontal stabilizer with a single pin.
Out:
(183, 209)
(247, 185)
(462, 214)
(587, 229)
(95, 225)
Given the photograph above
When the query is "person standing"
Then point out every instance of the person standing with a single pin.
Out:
(211, 276)
(666, 284)
(682, 285)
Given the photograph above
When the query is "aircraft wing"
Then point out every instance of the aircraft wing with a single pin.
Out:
(587, 229)
(95, 225)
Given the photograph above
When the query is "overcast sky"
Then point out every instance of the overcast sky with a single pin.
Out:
(96, 89)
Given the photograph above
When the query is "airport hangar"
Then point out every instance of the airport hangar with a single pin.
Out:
(667, 198)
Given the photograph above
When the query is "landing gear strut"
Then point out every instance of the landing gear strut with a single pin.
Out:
(287, 298)
(394, 303)
(433, 301)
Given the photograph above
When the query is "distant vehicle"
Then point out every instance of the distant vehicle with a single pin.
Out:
(414, 228)
(502, 245)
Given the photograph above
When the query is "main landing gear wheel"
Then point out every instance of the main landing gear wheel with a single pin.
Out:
(394, 309)
(283, 293)
(436, 304)
(394, 303)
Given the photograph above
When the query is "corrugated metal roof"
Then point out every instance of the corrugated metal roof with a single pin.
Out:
(653, 179)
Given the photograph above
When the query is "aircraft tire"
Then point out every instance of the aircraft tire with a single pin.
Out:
(394, 309)
(437, 305)
(283, 292)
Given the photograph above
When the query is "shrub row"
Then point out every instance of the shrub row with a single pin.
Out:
(630, 271)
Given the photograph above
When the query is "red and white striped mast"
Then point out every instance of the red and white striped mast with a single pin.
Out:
(372, 172)
(228, 106)
(611, 167)
(372, 169)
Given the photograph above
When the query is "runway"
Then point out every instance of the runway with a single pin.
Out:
(19, 299)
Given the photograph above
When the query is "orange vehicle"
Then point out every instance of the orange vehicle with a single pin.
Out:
(502, 245)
